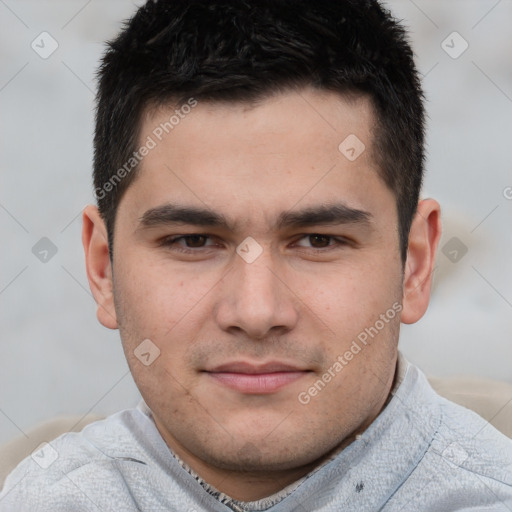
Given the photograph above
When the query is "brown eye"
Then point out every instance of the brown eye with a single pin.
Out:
(195, 240)
(319, 241)
(183, 243)
(316, 241)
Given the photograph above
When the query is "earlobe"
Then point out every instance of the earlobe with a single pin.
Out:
(98, 265)
(423, 240)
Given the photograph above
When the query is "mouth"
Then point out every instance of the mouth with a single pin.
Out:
(256, 379)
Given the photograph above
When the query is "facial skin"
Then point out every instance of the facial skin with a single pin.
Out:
(301, 302)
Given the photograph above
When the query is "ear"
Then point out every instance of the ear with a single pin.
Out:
(97, 262)
(423, 240)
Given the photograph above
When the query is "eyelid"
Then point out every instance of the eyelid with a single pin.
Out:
(338, 241)
(171, 241)
(168, 240)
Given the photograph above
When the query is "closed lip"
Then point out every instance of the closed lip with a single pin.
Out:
(255, 368)
(256, 379)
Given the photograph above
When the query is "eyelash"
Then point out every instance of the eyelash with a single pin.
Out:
(170, 242)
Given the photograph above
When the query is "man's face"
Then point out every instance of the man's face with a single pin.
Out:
(244, 336)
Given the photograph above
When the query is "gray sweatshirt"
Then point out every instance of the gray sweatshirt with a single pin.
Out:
(422, 453)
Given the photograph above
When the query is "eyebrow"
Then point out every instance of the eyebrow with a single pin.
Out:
(333, 214)
(338, 213)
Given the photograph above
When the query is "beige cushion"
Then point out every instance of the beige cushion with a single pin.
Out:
(490, 399)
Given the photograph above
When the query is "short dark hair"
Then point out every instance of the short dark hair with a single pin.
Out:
(245, 50)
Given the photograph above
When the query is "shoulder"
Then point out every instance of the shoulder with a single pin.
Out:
(460, 436)
(468, 462)
(470, 443)
(58, 474)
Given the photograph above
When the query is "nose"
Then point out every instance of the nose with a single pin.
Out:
(255, 298)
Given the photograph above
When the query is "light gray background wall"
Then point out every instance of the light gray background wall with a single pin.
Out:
(56, 358)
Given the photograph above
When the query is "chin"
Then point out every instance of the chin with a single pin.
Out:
(255, 456)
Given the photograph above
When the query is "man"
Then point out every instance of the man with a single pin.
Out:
(257, 242)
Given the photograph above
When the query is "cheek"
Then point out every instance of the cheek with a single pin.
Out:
(351, 301)
(154, 297)
(165, 307)
(156, 330)
(351, 293)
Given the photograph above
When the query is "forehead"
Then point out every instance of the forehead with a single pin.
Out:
(260, 158)
(302, 119)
